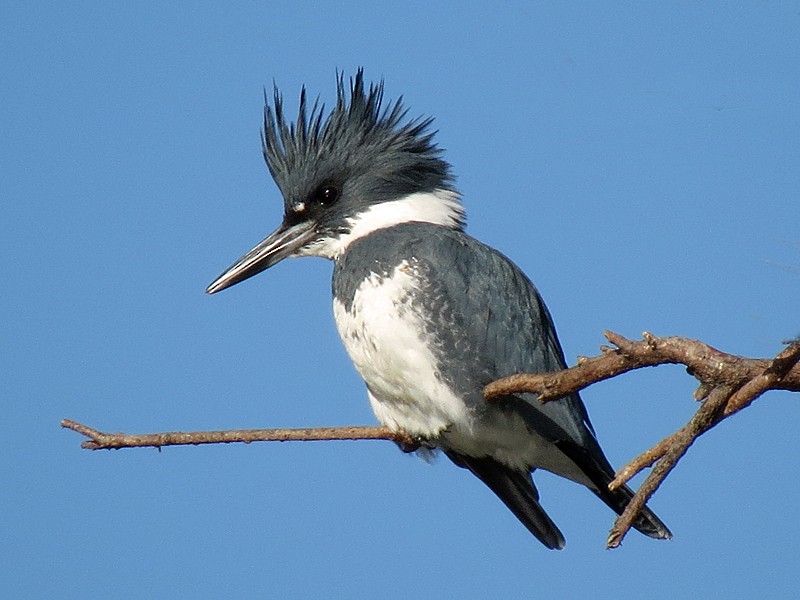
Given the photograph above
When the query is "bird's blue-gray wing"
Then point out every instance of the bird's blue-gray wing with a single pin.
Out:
(497, 325)
(489, 321)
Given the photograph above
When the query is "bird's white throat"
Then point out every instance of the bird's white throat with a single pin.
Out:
(440, 207)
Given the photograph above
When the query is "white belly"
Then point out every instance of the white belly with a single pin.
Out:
(382, 334)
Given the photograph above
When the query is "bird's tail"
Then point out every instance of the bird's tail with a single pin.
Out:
(647, 522)
(517, 492)
(590, 459)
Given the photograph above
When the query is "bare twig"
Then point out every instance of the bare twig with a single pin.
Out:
(679, 443)
(99, 440)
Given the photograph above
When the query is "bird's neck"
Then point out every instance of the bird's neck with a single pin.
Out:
(440, 207)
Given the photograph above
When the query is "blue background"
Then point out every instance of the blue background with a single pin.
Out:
(640, 164)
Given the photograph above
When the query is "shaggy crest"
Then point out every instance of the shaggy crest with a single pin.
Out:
(360, 133)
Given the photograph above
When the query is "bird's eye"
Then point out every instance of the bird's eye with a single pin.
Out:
(325, 195)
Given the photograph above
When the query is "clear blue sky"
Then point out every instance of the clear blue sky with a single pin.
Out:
(642, 165)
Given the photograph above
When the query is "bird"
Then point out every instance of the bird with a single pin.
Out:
(428, 314)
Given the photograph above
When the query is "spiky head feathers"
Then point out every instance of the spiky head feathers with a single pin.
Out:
(370, 153)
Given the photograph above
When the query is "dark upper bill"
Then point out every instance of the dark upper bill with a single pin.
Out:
(281, 243)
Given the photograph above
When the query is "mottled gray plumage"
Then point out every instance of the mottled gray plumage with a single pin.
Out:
(428, 314)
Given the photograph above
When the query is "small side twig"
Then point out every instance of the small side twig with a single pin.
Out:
(680, 441)
(773, 378)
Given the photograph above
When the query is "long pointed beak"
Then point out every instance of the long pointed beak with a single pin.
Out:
(280, 244)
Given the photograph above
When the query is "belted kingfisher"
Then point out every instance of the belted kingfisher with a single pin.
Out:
(428, 314)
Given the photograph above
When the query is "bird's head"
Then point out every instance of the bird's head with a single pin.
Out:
(361, 168)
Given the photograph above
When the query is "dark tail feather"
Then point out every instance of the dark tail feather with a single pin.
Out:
(647, 522)
(596, 467)
(518, 493)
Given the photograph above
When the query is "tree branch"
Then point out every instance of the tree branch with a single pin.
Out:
(705, 363)
(728, 383)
